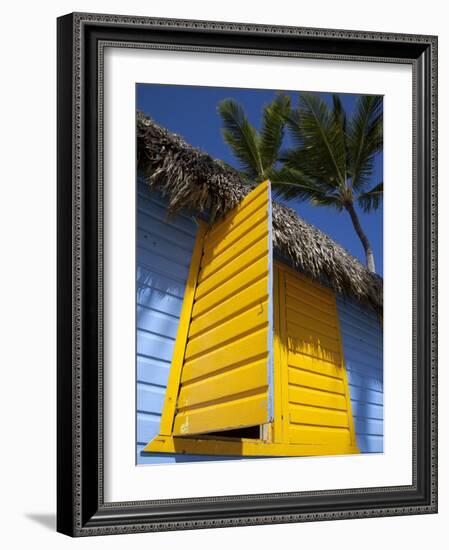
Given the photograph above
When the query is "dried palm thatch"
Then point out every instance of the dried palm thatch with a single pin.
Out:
(190, 178)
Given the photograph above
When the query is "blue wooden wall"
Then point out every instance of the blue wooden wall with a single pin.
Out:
(164, 250)
(363, 350)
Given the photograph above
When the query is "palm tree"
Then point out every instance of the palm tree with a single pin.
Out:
(332, 162)
(256, 151)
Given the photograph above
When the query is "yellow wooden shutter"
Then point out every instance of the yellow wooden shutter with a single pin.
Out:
(317, 405)
(225, 380)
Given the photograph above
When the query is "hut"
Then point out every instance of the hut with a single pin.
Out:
(257, 334)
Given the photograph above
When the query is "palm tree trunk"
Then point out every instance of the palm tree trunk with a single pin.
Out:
(363, 238)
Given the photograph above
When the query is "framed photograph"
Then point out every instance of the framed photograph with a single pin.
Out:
(247, 274)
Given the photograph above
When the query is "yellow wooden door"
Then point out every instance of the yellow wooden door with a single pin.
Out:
(224, 371)
(316, 402)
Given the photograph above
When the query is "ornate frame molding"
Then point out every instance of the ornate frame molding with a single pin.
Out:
(81, 42)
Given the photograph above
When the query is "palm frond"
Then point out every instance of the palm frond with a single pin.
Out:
(291, 183)
(339, 122)
(339, 112)
(293, 121)
(272, 132)
(371, 199)
(364, 139)
(321, 138)
(299, 159)
(332, 201)
(318, 134)
(242, 137)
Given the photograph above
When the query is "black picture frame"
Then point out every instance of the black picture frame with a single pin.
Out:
(81, 509)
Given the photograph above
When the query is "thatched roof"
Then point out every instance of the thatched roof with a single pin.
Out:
(191, 178)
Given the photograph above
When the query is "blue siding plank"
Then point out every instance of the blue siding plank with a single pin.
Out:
(153, 345)
(365, 394)
(151, 279)
(150, 398)
(359, 312)
(154, 195)
(360, 370)
(158, 263)
(362, 353)
(163, 229)
(159, 206)
(164, 247)
(363, 334)
(368, 426)
(159, 301)
(147, 426)
(373, 383)
(154, 208)
(157, 321)
(366, 326)
(152, 371)
(369, 410)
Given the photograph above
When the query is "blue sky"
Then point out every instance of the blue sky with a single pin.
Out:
(192, 112)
